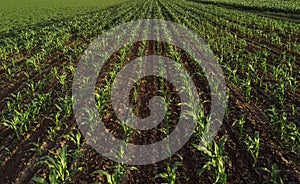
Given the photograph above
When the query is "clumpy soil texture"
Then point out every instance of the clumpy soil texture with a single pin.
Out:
(260, 59)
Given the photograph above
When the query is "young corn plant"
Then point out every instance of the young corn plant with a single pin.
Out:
(174, 54)
(65, 106)
(18, 123)
(275, 174)
(75, 138)
(38, 147)
(127, 131)
(171, 175)
(214, 154)
(166, 129)
(288, 130)
(61, 171)
(163, 91)
(62, 80)
(120, 172)
(240, 123)
(248, 87)
(10, 74)
(253, 146)
(56, 119)
(52, 132)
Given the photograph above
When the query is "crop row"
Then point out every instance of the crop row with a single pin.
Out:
(259, 57)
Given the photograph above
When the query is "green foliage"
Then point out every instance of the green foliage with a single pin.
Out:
(240, 123)
(285, 6)
(170, 176)
(214, 155)
(61, 169)
(274, 174)
(253, 146)
(120, 172)
(258, 56)
(16, 13)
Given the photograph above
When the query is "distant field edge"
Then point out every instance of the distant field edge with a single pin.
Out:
(15, 15)
(271, 12)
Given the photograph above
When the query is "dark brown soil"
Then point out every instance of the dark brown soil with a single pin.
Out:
(20, 164)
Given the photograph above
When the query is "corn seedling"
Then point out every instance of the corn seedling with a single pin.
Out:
(171, 175)
(215, 159)
(253, 146)
(120, 172)
(275, 175)
(61, 171)
(240, 123)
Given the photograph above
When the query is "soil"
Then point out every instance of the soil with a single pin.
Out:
(20, 163)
